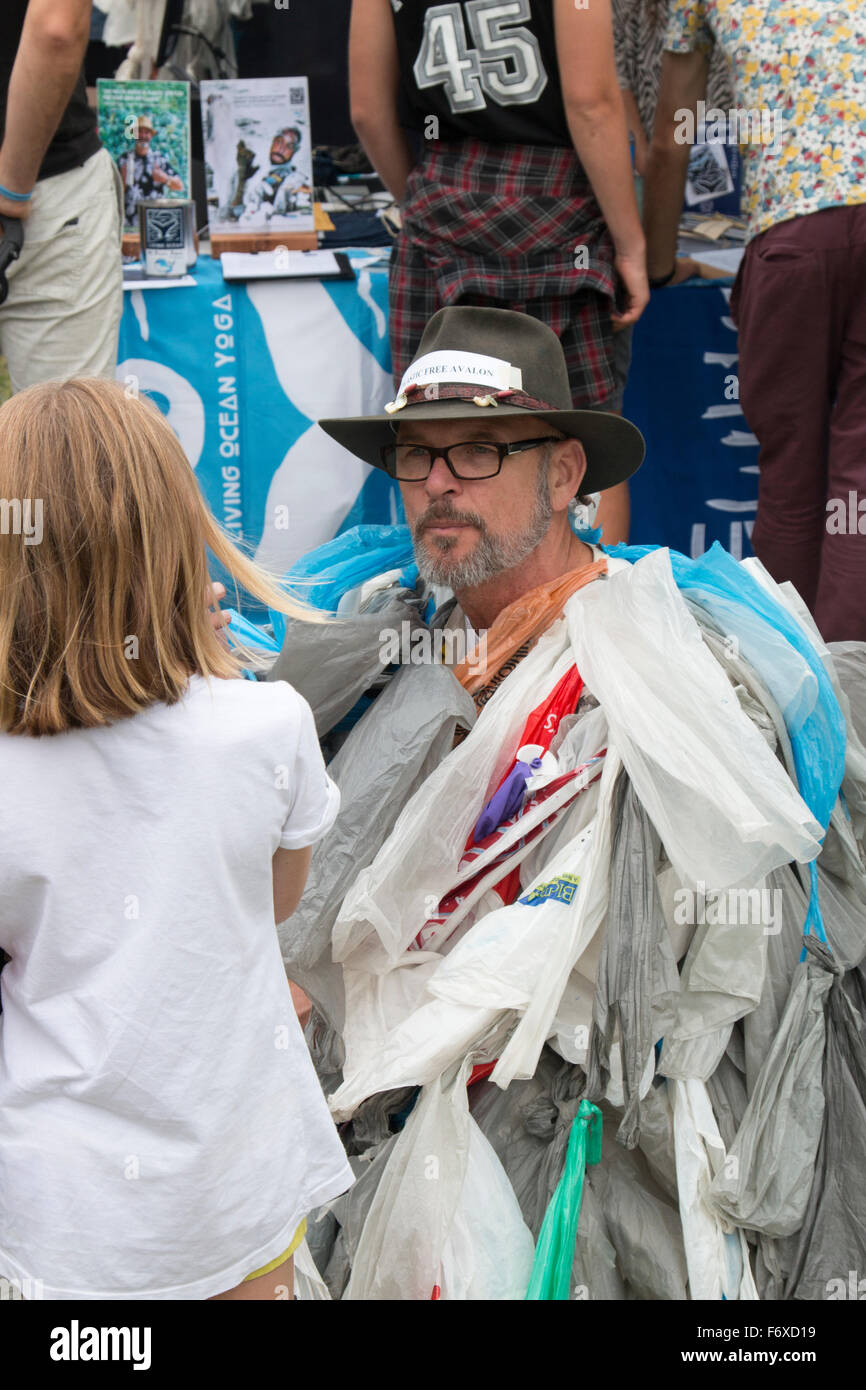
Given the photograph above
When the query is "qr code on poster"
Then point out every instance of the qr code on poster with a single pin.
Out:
(296, 96)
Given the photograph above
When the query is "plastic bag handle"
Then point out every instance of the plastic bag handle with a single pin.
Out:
(554, 1252)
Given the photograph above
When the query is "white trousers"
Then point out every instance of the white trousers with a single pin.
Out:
(62, 315)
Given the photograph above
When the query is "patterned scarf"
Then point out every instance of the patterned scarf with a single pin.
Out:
(518, 627)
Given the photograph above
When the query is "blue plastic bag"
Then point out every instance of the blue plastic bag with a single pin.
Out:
(247, 634)
(324, 575)
(349, 560)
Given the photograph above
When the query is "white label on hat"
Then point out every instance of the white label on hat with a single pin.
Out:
(470, 368)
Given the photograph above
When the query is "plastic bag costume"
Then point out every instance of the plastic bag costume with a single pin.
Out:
(592, 1026)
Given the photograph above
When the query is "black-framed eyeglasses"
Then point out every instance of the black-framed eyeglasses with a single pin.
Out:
(411, 463)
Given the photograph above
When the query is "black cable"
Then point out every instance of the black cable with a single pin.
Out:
(218, 53)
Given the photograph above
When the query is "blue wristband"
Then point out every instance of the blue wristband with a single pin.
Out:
(15, 197)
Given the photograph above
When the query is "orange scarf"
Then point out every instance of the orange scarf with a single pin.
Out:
(524, 620)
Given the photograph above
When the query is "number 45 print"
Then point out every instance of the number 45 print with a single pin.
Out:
(505, 62)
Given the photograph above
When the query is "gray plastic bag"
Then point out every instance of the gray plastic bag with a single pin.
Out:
(350, 1211)
(642, 1223)
(784, 947)
(637, 978)
(528, 1125)
(765, 1181)
(845, 925)
(333, 664)
(399, 741)
(828, 1257)
(727, 1091)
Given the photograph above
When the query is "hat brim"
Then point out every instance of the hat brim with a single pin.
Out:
(614, 447)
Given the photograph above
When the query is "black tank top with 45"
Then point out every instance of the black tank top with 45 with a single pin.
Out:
(480, 68)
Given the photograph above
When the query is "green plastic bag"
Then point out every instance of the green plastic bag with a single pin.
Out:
(554, 1253)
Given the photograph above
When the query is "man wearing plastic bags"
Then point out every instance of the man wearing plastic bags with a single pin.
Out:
(555, 940)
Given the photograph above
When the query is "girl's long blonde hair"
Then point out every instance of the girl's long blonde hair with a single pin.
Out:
(103, 606)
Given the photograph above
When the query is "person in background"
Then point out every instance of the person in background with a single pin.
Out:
(62, 314)
(154, 1080)
(639, 28)
(522, 197)
(145, 171)
(799, 300)
(283, 189)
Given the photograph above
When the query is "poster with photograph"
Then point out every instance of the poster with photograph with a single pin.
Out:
(709, 175)
(145, 128)
(258, 154)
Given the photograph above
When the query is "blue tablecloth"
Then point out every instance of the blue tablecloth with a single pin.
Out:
(244, 370)
(699, 481)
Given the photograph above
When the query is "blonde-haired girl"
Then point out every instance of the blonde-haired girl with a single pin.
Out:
(162, 1131)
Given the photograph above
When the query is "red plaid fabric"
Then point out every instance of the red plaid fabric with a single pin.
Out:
(498, 226)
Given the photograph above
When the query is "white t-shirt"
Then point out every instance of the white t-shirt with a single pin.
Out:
(162, 1129)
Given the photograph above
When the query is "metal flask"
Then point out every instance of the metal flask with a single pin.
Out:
(167, 230)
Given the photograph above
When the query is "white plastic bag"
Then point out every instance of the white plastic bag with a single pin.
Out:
(788, 597)
(725, 809)
(489, 1251)
(310, 1287)
(521, 957)
(717, 1255)
(444, 1221)
(722, 979)
(432, 829)
(517, 958)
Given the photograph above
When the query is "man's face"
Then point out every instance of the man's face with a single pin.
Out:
(283, 147)
(466, 532)
(145, 135)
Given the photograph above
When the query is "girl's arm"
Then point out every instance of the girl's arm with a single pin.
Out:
(291, 867)
(596, 119)
(374, 79)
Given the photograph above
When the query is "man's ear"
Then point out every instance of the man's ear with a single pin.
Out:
(566, 472)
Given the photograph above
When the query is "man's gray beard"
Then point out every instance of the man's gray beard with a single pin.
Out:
(492, 554)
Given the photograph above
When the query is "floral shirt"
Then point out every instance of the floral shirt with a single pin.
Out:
(802, 64)
(639, 28)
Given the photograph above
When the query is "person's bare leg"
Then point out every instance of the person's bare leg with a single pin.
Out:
(279, 1284)
(614, 514)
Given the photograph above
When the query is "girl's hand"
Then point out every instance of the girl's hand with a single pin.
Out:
(219, 620)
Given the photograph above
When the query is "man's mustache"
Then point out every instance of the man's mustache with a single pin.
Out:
(436, 513)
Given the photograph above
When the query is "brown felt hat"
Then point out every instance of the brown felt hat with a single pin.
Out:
(474, 363)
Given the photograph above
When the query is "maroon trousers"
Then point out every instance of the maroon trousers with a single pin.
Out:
(799, 303)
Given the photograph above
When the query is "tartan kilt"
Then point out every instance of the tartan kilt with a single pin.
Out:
(499, 226)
